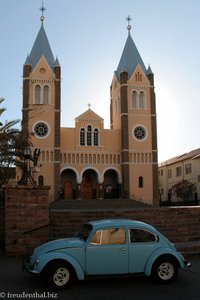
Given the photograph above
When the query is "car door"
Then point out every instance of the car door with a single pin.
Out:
(107, 252)
(142, 244)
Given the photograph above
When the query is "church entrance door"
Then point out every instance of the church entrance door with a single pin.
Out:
(68, 184)
(86, 187)
(68, 191)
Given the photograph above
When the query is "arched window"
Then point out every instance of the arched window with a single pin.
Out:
(96, 137)
(140, 182)
(142, 100)
(89, 135)
(82, 137)
(37, 94)
(45, 94)
(134, 99)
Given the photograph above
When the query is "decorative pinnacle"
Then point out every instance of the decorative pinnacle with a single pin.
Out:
(128, 19)
(89, 105)
(42, 18)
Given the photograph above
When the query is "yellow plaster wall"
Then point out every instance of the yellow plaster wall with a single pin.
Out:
(145, 193)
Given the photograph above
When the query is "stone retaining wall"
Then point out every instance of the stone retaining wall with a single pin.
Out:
(179, 224)
(26, 218)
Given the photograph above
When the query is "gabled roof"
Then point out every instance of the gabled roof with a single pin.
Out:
(41, 48)
(130, 58)
(89, 114)
(189, 155)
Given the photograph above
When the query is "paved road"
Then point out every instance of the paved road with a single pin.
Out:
(16, 284)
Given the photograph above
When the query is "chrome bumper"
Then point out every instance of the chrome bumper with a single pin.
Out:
(187, 264)
(26, 266)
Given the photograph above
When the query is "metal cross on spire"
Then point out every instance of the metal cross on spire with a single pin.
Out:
(42, 8)
(128, 19)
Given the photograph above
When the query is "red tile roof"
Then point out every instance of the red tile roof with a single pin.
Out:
(190, 155)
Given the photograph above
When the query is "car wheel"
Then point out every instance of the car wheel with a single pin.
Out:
(58, 275)
(165, 269)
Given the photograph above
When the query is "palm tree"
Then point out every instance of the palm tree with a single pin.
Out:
(8, 136)
(1, 109)
(10, 146)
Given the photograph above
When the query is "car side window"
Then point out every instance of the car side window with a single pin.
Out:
(141, 236)
(109, 236)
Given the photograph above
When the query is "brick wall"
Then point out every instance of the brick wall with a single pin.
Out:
(2, 226)
(179, 224)
(26, 217)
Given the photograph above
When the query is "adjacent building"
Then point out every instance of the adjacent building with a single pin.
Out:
(174, 170)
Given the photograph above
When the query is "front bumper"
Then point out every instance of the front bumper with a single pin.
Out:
(28, 266)
(187, 264)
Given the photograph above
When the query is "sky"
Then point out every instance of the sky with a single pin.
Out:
(88, 38)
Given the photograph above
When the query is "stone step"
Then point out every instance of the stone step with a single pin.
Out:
(96, 203)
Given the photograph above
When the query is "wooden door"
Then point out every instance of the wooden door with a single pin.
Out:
(68, 192)
(86, 187)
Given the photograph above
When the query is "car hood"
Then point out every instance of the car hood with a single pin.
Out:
(59, 244)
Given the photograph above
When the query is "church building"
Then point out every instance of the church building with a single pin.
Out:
(89, 161)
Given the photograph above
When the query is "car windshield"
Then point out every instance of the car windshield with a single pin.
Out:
(84, 233)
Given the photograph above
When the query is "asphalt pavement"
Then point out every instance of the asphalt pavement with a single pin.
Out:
(17, 284)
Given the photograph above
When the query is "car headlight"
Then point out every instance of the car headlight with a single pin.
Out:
(36, 262)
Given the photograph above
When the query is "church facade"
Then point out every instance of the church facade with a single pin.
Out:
(89, 161)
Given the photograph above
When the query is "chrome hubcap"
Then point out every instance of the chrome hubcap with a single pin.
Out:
(166, 271)
(61, 276)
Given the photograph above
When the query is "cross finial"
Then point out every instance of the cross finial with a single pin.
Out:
(128, 19)
(42, 8)
(89, 105)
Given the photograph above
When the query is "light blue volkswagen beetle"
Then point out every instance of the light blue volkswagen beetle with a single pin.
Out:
(107, 247)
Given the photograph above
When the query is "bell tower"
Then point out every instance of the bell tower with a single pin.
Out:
(41, 109)
(133, 112)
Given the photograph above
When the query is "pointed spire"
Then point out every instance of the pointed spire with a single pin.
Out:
(149, 71)
(56, 64)
(130, 57)
(41, 48)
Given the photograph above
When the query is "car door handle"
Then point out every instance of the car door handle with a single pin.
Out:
(124, 249)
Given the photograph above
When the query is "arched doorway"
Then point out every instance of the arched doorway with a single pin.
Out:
(68, 184)
(111, 184)
(89, 186)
